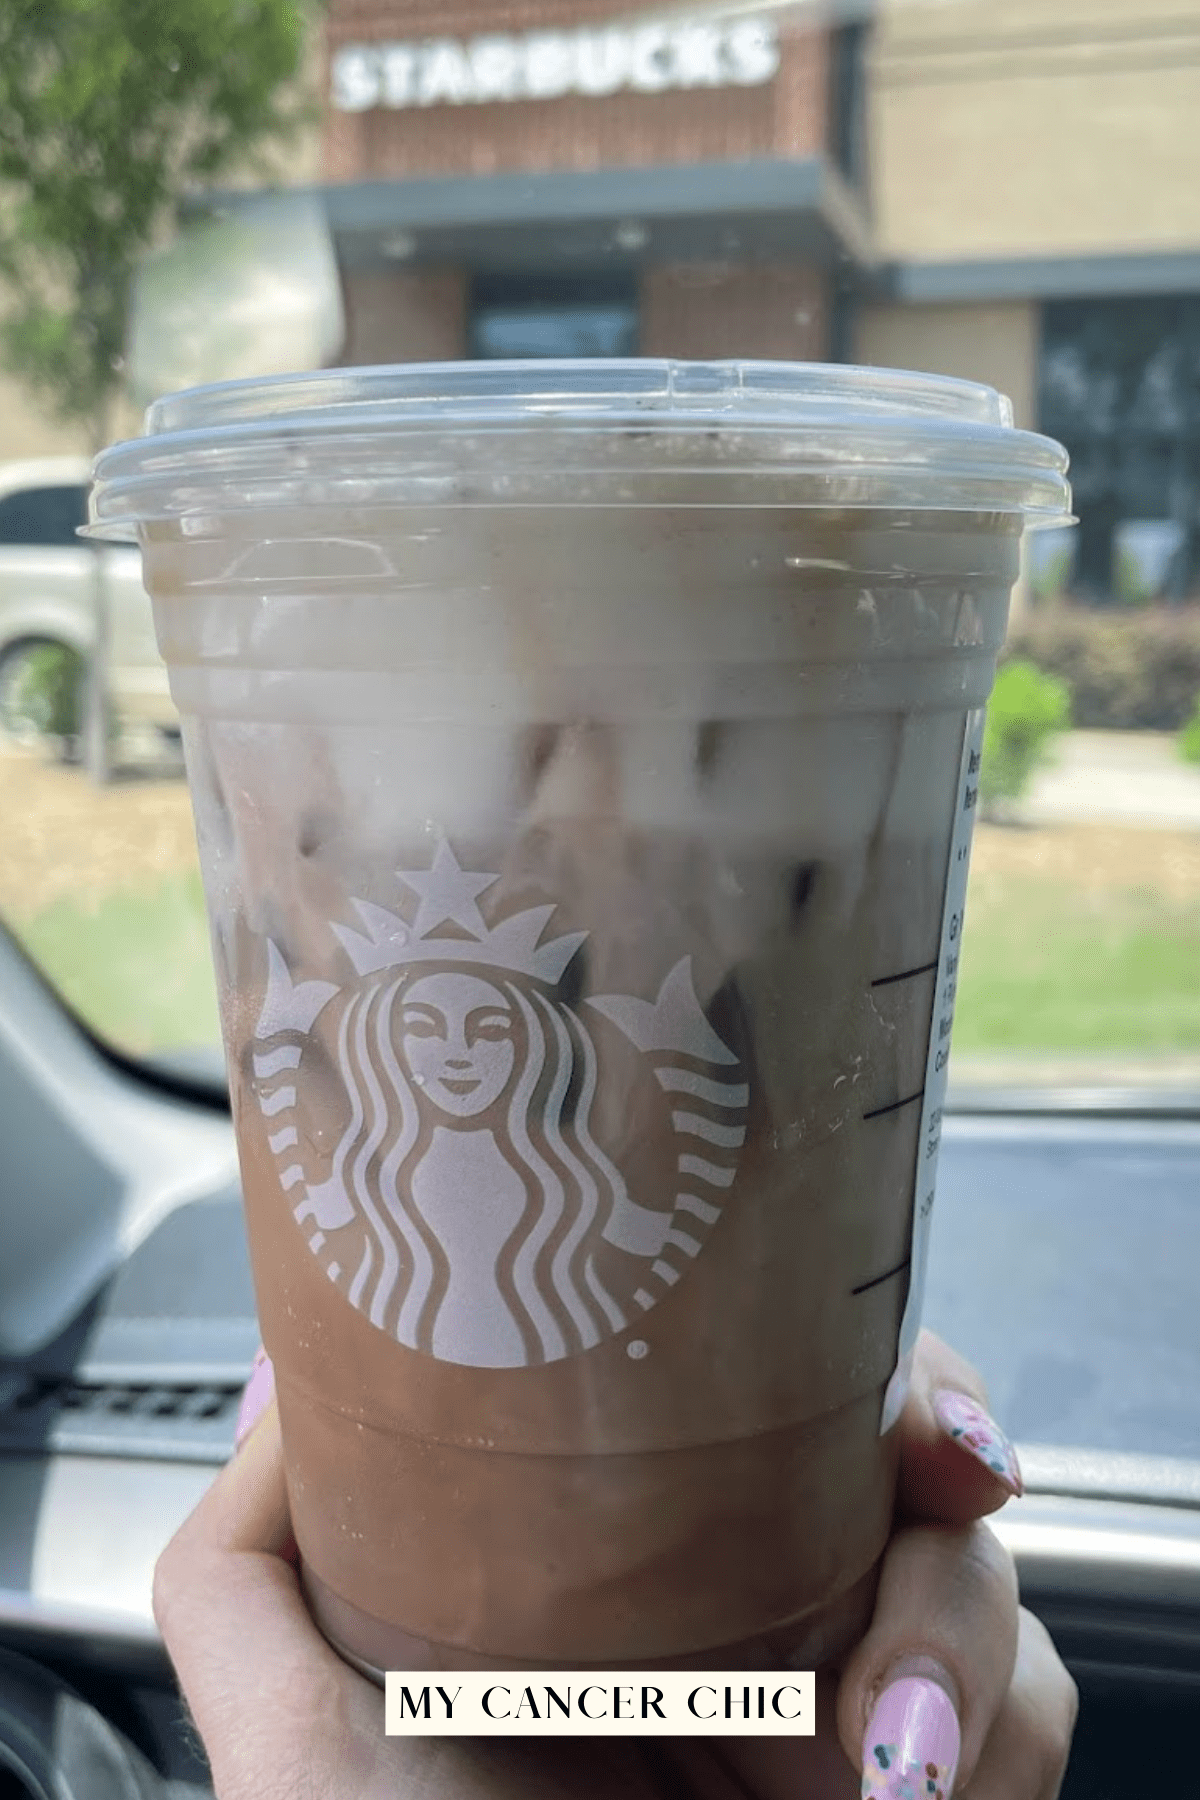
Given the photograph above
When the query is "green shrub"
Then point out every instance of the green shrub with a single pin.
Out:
(1027, 709)
(43, 691)
(1137, 672)
(1189, 737)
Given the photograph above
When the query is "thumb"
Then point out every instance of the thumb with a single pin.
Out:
(253, 1669)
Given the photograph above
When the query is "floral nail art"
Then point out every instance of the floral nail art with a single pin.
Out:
(887, 1775)
(911, 1745)
(975, 1431)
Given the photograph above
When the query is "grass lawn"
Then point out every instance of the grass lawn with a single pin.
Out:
(135, 964)
(1078, 941)
(1047, 967)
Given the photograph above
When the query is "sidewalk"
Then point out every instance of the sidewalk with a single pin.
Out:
(1115, 778)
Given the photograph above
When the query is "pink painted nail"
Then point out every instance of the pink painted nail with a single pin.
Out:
(256, 1397)
(910, 1751)
(975, 1431)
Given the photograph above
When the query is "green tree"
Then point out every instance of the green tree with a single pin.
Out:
(1027, 710)
(111, 110)
(1189, 737)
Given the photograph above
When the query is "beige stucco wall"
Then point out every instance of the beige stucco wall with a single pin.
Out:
(997, 344)
(1017, 127)
(994, 343)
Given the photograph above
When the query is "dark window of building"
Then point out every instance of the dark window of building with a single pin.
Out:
(847, 101)
(847, 149)
(554, 317)
(1120, 386)
(48, 515)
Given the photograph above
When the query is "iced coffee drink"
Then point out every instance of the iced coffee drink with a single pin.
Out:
(582, 758)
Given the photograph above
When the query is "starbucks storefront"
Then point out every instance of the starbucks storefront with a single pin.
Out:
(582, 186)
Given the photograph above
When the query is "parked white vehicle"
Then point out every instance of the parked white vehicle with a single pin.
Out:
(48, 597)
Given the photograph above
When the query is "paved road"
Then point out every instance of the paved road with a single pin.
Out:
(1116, 778)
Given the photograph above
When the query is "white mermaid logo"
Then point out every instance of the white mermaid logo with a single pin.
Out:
(467, 1209)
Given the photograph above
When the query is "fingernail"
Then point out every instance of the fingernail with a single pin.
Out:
(256, 1397)
(975, 1431)
(910, 1751)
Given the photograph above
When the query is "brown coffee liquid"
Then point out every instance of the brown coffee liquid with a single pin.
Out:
(709, 1473)
(578, 1044)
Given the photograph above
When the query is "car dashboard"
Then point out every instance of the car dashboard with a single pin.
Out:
(1063, 1264)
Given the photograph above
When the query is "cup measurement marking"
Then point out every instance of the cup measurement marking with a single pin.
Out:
(905, 975)
(880, 1112)
(864, 1287)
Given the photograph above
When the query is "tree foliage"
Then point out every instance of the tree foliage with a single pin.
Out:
(110, 110)
(1189, 737)
(1027, 710)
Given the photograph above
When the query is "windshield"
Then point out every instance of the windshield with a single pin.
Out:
(996, 192)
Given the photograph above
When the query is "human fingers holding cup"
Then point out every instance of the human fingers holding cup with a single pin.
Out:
(920, 1693)
(955, 1688)
(952, 1683)
(278, 1711)
(956, 1462)
(985, 1710)
(1026, 1751)
(919, 1697)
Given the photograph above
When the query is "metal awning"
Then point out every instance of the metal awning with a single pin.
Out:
(1070, 277)
(757, 211)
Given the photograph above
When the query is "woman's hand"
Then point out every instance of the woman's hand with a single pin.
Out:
(953, 1685)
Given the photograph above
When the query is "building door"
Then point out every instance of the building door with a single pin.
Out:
(576, 316)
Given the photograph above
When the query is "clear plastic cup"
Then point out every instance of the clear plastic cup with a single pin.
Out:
(583, 759)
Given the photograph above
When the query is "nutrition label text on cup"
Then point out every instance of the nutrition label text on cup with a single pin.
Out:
(938, 1063)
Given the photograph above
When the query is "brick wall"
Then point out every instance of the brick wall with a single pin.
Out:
(687, 310)
(784, 117)
(414, 317)
(694, 310)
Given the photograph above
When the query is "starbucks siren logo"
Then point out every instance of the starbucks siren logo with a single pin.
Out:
(466, 1208)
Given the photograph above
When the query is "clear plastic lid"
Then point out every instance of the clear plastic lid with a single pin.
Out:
(632, 432)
